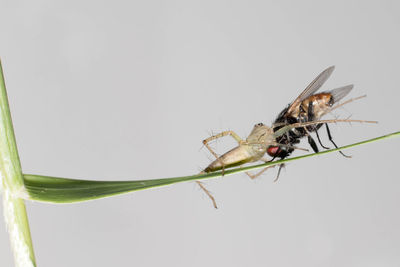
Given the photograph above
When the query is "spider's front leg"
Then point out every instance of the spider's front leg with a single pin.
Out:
(205, 142)
(220, 135)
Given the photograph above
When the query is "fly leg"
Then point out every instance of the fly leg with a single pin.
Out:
(319, 140)
(279, 171)
(285, 155)
(310, 117)
(312, 143)
(330, 139)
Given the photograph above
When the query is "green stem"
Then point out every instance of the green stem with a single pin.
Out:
(64, 190)
(13, 186)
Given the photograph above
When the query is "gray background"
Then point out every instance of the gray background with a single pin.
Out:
(127, 90)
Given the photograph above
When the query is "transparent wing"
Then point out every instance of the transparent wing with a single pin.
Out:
(341, 92)
(311, 88)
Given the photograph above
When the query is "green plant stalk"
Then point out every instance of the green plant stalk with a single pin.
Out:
(64, 190)
(12, 182)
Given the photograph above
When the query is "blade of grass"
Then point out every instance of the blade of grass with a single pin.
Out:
(63, 190)
(13, 186)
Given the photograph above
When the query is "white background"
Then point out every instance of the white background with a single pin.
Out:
(115, 90)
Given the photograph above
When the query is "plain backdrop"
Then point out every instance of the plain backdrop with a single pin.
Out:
(117, 90)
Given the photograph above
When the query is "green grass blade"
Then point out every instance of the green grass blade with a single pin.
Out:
(12, 183)
(62, 190)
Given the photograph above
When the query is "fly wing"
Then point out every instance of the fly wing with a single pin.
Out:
(337, 94)
(311, 88)
(341, 92)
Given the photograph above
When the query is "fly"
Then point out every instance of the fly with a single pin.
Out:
(307, 107)
(254, 147)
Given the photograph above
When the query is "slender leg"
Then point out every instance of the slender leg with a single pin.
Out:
(312, 144)
(310, 117)
(207, 193)
(279, 172)
(253, 176)
(225, 133)
(319, 140)
(205, 142)
(330, 139)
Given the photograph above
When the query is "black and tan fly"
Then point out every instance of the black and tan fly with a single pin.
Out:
(308, 106)
(296, 121)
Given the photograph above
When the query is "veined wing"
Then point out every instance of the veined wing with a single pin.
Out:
(311, 88)
(340, 92)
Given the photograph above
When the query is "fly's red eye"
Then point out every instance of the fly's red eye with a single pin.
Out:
(273, 151)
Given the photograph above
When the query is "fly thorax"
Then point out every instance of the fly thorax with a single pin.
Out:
(321, 104)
